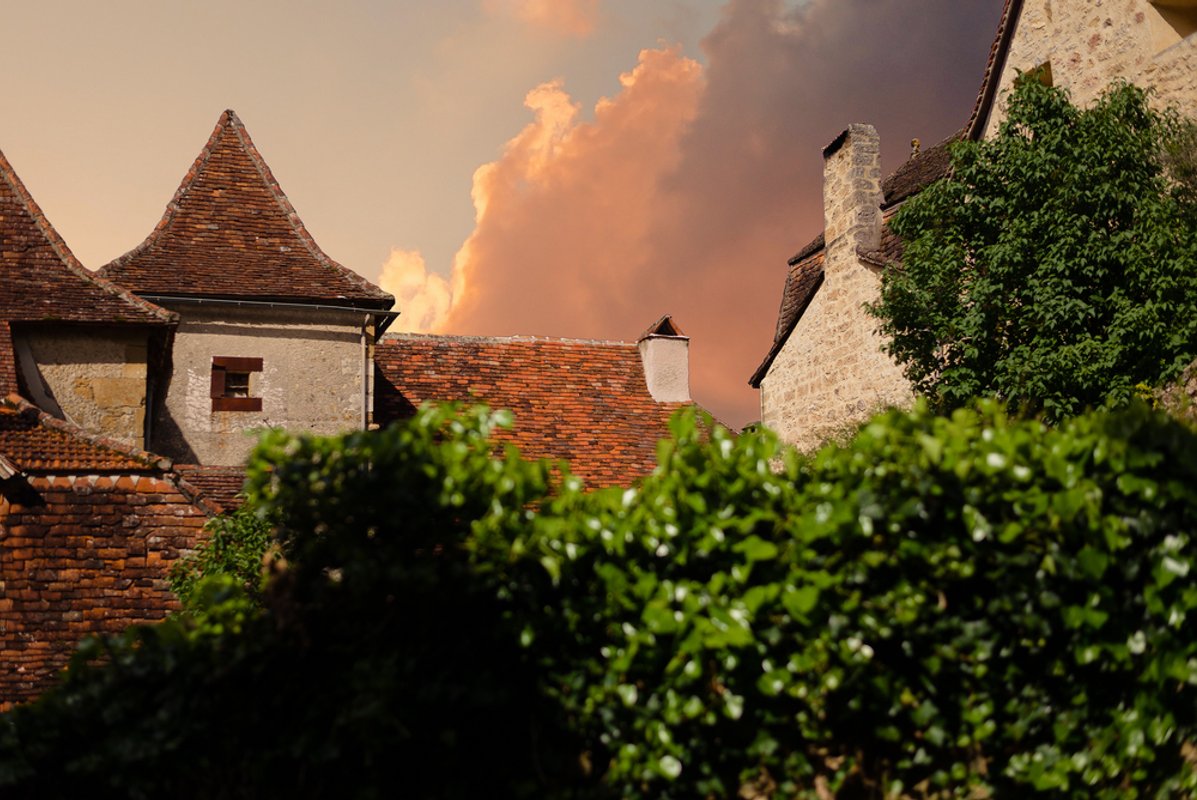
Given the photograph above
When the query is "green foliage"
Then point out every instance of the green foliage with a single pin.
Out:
(942, 607)
(1056, 267)
(232, 551)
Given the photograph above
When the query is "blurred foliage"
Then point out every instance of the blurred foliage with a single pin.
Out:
(232, 549)
(960, 606)
(1056, 266)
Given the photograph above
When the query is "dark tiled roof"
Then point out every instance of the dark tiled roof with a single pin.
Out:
(33, 441)
(581, 401)
(230, 231)
(40, 279)
(222, 485)
(919, 172)
(8, 362)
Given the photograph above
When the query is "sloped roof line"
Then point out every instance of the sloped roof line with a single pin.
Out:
(67, 258)
(998, 52)
(230, 123)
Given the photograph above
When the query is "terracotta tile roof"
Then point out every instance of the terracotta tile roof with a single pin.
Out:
(222, 485)
(33, 441)
(42, 280)
(230, 232)
(582, 401)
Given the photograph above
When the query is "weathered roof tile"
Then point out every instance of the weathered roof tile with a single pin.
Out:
(230, 232)
(40, 279)
(586, 402)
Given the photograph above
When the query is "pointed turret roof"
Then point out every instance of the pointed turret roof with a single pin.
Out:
(41, 280)
(230, 232)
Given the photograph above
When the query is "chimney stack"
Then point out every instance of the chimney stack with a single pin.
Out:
(665, 352)
(852, 190)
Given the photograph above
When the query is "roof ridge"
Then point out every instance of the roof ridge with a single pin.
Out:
(518, 338)
(67, 258)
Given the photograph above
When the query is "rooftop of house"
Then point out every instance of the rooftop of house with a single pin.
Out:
(43, 281)
(583, 401)
(231, 232)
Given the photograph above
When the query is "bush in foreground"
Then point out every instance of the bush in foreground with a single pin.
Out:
(942, 607)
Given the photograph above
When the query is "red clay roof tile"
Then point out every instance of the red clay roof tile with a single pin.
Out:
(40, 278)
(581, 401)
(222, 485)
(33, 441)
(230, 232)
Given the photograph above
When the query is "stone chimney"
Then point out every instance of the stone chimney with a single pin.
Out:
(665, 351)
(852, 194)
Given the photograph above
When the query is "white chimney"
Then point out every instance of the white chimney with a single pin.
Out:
(665, 352)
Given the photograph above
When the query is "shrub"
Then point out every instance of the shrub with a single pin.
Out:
(946, 606)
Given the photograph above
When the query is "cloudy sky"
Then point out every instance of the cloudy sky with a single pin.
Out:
(552, 167)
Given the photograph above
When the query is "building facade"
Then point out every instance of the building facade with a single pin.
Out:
(826, 369)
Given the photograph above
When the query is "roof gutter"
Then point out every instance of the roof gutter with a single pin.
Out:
(386, 317)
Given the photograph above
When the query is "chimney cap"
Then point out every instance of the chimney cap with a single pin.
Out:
(665, 326)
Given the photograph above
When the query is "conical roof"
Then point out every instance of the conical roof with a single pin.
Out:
(230, 232)
(40, 279)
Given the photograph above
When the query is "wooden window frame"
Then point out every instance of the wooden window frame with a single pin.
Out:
(221, 367)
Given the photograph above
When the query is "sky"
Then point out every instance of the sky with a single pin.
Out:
(570, 168)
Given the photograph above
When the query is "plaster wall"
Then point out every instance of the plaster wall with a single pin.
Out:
(831, 372)
(96, 378)
(311, 379)
(1091, 43)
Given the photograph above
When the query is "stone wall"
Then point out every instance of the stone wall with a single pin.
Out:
(1090, 44)
(95, 378)
(83, 555)
(311, 379)
(831, 372)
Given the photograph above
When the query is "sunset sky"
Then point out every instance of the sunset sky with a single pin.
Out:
(568, 168)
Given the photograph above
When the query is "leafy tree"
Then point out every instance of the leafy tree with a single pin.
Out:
(231, 552)
(943, 607)
(1056, 266)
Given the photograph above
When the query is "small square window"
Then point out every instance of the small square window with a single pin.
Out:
(231, 383)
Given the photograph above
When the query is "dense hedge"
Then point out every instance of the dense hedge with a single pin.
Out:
(944, 606)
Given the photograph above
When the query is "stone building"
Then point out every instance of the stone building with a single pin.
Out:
(271, 333)
(825, 368)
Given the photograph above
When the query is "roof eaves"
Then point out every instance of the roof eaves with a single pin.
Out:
(779, 342)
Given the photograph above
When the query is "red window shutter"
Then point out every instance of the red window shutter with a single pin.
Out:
(217, 382)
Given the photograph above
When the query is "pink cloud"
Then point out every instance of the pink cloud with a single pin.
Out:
(575, 18)
(689, 189)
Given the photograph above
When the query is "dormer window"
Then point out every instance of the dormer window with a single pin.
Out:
(232, 383)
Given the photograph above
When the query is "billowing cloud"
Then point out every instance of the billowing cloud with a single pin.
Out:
(688, 190)
(421, 296)
(576, 18)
